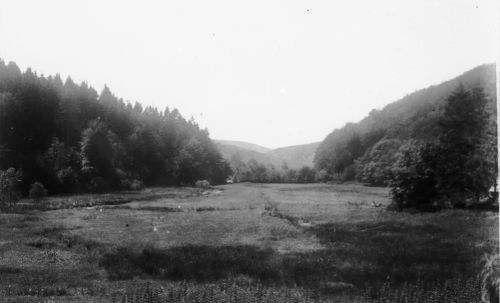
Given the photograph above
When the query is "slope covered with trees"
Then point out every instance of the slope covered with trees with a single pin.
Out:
(291, 164)
(70, 138)
(244, 145)
(233, 154)
(364, 151)
(295, 156)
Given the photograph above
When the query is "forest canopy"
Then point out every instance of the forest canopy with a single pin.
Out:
(70, 138)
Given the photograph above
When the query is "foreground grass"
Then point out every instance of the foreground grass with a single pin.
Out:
(250, 243)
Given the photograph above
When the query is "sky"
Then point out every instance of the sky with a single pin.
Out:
(274, 73)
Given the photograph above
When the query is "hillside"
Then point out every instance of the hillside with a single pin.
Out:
(295, 156)
(69, 138)
(367, 147)
(245, 145)
(236, 153)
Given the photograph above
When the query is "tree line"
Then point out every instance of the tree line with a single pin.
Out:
(69, 138)
(258, 172)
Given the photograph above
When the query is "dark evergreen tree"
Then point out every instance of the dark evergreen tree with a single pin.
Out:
(466, 170)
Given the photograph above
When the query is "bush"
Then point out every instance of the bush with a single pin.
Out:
(37, 191)
(349, 173)
(68, 180)
(306, 175)
(202, 184)
(9, 183)
(413, 178)
(321, 176)
(99, 184)
(132, 184)
(136, 185)
(375, 166)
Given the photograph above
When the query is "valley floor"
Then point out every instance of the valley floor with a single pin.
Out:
(242, 243)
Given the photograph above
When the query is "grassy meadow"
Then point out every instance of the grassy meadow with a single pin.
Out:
(241, 243)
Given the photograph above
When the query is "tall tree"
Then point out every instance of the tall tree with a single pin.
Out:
(465, 171)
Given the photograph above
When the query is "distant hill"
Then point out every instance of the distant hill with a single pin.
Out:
(232, 153)
(245, 145)
(362, 149)
(295, 156)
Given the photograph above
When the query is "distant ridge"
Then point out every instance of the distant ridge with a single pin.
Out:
(295, 156)
(245, 145)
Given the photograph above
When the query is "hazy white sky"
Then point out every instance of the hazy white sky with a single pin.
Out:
(274, 73)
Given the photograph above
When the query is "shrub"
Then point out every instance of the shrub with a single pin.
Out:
(68, 179)
(99, 184)
(136, 185)
(37, 191)
(306, 175)
(202, 184)
(375, 166)
(413, 178)
(132, 184)
(349, 173)
(9, 183)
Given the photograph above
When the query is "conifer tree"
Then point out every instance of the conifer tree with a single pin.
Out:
(464, 171)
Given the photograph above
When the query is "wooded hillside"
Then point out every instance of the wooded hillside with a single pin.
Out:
(70, 138)
(365, 151)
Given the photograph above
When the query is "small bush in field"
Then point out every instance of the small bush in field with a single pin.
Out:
(202, 184)
(133, 184)
(136, 185)
(37, 191)
(9, 183)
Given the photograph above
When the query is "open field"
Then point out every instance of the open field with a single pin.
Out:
(242, 243)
